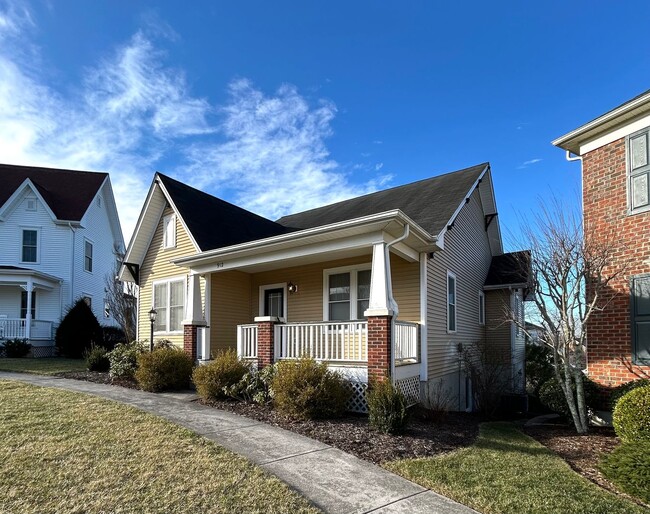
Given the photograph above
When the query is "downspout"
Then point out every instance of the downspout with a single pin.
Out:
(571, 159)
(74, 232)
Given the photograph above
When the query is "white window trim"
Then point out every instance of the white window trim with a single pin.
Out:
(353, 270)
(38, 245)
(29, 199)
(628, 171)
(452, 275)
(92, 258)
(168, 280)
(172, 220)
(279, 285)
(481, 308)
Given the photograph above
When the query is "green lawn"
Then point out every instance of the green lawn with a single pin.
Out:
(44, 366)
(69, 452)
(506, 471)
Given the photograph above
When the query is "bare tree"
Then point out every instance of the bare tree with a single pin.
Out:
(571, 272)
(122, 303)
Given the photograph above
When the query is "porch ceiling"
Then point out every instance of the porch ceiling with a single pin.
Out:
(15, 276)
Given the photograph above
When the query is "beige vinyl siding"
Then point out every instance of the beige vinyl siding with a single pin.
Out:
(230, 306)
(157, 266)
(406, 288)
(467, 254)
(498, 329)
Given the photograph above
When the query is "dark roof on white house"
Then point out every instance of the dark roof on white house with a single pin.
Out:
(68, 193)
(431, 202)
(509, 269)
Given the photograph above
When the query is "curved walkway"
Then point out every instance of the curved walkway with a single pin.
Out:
(333, 480)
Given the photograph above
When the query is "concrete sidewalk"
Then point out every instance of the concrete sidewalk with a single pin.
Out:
(333, 480)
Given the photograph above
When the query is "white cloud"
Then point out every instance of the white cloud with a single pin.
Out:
(525, 164)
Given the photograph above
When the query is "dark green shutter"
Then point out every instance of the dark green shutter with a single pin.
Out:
(641, 319)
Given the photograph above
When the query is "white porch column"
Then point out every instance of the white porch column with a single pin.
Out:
(28, 316)
(193, 308)
(381, 301)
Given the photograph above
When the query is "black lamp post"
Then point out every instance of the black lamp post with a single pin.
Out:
(152, 318)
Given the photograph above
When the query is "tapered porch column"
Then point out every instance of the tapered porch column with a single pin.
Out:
(28, 316)
(380, 313)
(193, 315)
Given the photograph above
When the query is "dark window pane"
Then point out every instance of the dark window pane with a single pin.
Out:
(339, 287)
(363, 285)
(643, 342)
(362, 306)
(642, 296)
(340, 311)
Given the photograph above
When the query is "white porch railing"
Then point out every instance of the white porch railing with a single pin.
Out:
(334, 341)
(16, 328)
(247, 341)
(405, 338)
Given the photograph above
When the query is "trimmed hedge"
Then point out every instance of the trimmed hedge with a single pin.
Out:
(632, 416)
(213, 379)
(79, 331)
(97, 359)
(16, 348)
(620, 391)
(628, 466)
(164, 369)
(387, 409)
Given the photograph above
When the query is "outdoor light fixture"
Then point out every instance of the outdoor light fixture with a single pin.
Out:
(293, 288)
(152, 318)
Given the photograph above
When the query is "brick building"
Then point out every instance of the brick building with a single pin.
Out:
(614, 150)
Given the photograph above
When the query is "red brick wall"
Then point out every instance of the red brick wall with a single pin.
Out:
(265, 344)
(379, 347)
(190, 340)
(605, 214)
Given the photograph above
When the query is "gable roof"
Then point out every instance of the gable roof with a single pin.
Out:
(68, 193)
(431, 202)
(215, 223)
(509, 269)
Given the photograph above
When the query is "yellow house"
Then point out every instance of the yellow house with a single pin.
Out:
(386, 284)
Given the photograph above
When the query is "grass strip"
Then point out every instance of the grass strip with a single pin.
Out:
(43, 366)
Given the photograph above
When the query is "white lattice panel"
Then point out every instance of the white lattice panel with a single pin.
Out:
(357, 401)
(410, 388)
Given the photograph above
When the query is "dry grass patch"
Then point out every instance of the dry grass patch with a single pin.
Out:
(69, 452)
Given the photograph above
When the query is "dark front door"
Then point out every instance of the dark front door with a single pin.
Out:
(274, 302)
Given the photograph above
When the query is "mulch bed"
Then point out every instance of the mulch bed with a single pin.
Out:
(99, 377)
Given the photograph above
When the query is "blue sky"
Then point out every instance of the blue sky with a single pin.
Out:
(282, 106)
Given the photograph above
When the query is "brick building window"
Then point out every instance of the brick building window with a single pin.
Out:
(640, 316)
(638, 170)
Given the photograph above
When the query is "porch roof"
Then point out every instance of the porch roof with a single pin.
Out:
(13, 275)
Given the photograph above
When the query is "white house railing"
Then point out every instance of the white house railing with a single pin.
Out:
(247, 341)
(405, 338)
(334, 341)
(16, 328)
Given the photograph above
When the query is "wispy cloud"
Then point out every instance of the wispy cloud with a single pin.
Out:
(133, 113)
(525, 164)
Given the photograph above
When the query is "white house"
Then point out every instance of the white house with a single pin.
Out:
(60, 237)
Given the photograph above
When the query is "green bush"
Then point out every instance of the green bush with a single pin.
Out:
(124, 359)
(97, 359)
(387, 408)
(164, 369)
(16, 348)
(212, 379)
(618, 392)
(254, 386)
(552, 396)
(306, 389)
(163, 343)
(628, 466)
(632, 416)
(111, 336)
(539, 367)
(78, 331)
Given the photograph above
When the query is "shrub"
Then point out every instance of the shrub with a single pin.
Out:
(78, 331)
(618, 392)
(124, 359)
(254, 386)
(224, 371)
(97, 359)
(552, 396)
(387, 409)
(628, 466)
(16, 348)
(163, 343)
(164, 369)
(306, 389)
(632, 416)
(111, 336)
(539, 367)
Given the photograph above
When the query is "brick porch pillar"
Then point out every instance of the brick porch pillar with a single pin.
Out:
(379, 347)
(190, 338)
(265, 340)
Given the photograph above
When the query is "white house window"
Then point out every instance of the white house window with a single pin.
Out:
(88, 256)
(481, 308)
(30, 246)
(347, 294)
(169, 231)
(638, 165)
(451, 302)
(169, 302)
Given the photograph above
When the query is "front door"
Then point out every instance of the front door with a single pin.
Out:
(274, 302)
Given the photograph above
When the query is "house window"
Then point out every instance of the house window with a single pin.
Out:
(347, 294)
(23, 305)
(88, 300)
(30, 246)
(169, 231)
(30, 204)
(169, 302)
(481, 308)
(641, 320)
(88, 256)
(638, 165)
(451, 302)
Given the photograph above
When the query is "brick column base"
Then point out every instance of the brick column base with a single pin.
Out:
(190, 339)
(379, 347)
(265, 343)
